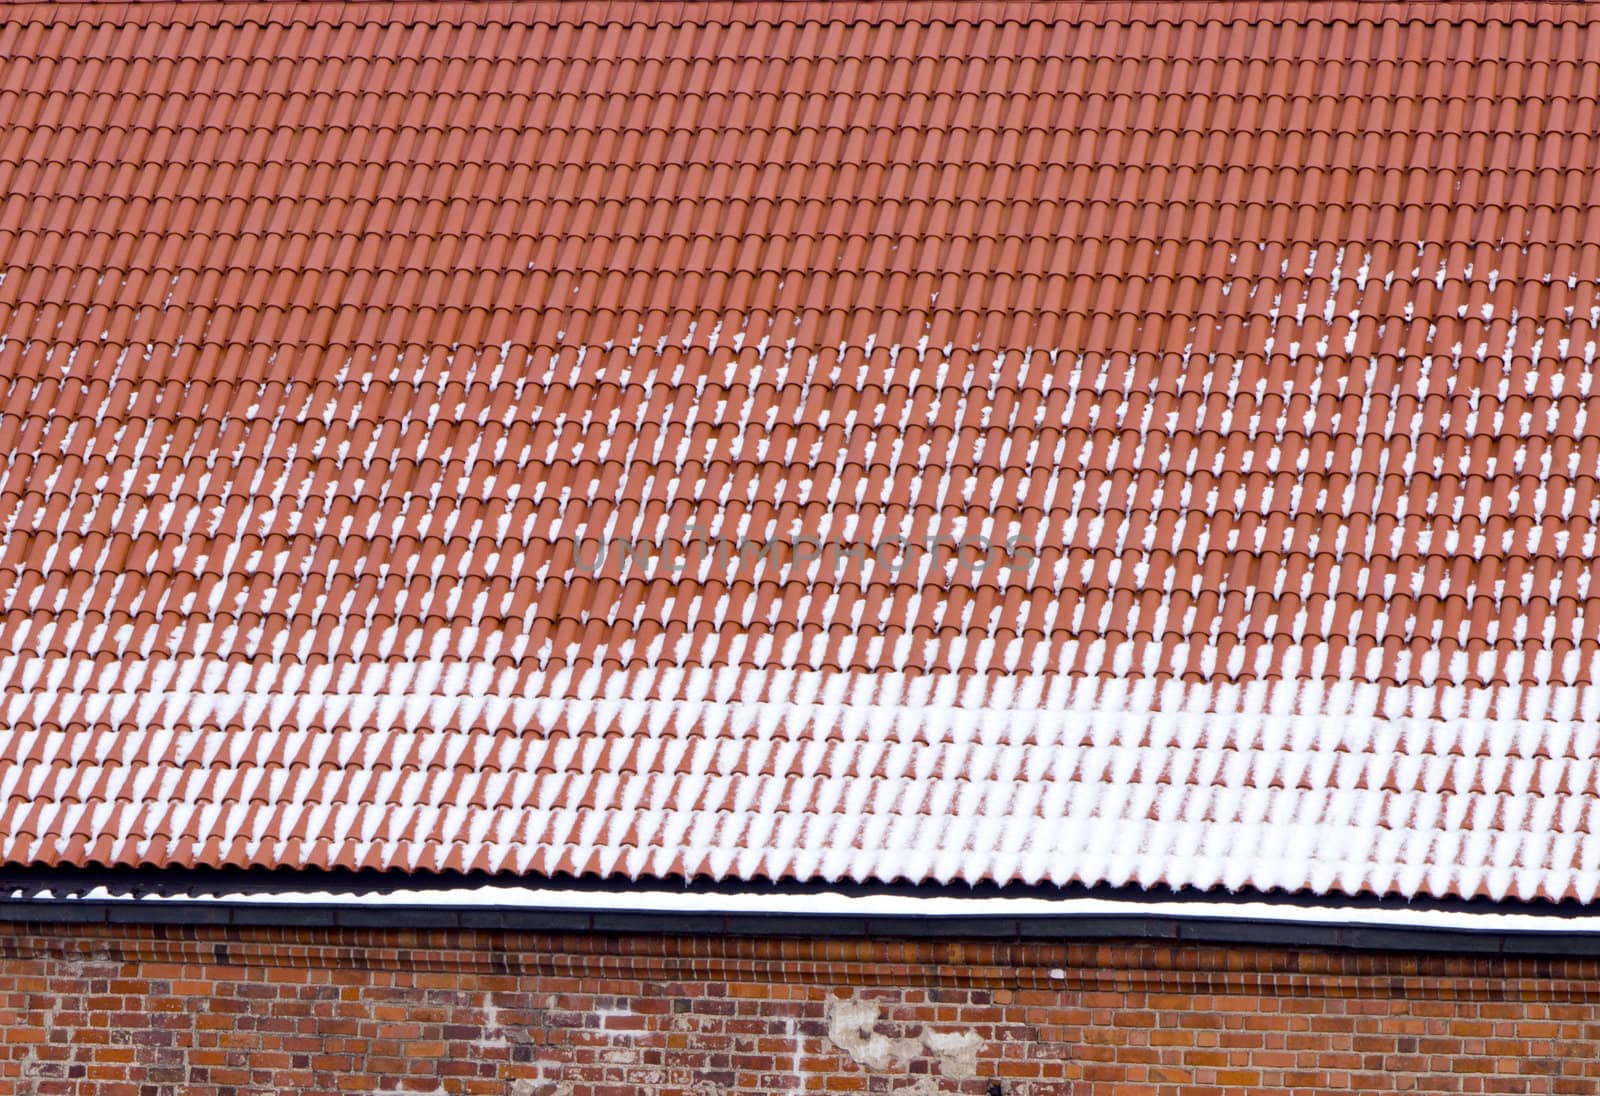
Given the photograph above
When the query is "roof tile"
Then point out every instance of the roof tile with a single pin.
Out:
(556, 438)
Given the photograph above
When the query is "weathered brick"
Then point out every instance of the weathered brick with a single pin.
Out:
(180, 1012)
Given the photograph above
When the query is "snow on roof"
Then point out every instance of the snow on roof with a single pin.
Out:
(962, 452)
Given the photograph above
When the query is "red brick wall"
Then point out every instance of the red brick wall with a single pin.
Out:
(152, 1012)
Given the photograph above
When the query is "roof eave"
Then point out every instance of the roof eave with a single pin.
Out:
(356, 900)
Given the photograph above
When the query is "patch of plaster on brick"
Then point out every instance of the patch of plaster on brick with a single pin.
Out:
(957, 1051)
(540, 1088)
(850, 1024)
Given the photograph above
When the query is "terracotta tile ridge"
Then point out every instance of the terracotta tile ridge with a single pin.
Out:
(890, 11)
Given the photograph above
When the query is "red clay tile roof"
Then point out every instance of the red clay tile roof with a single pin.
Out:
(338, 341)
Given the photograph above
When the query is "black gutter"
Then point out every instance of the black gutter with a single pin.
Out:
(177, 883)
(1152, 926)
(368, 899)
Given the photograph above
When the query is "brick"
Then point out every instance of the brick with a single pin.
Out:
(373, 1010)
